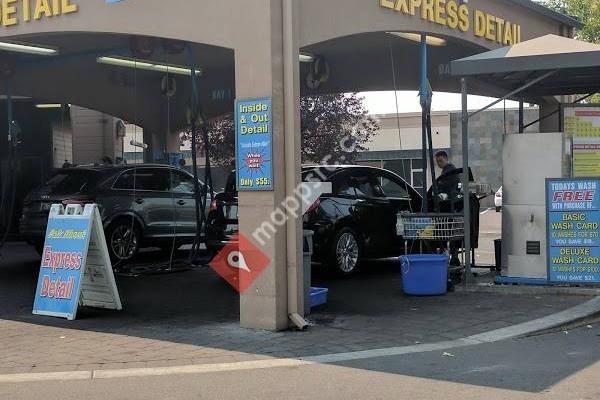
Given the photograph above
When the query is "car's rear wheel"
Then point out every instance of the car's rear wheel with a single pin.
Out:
(345, 252)
(123, 240)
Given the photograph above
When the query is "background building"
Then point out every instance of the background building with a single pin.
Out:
(397, 145)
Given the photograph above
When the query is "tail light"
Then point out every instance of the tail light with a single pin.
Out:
(213, 205)
(314, 206)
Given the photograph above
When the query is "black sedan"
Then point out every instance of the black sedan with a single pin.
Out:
(356, 221)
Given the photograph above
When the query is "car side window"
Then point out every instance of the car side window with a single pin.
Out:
(393, 188)
(365, 185)
(146, 179)
(341, 185)
(181, 183)
(126, 181)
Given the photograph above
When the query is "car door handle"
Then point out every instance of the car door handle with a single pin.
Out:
(139, 201)
(181, 202)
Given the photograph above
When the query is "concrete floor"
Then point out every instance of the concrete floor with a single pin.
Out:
(191, 317)
(549, 367)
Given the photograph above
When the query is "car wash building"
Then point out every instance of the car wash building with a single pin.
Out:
(149, 61)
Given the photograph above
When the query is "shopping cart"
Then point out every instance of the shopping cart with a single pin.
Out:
(431, 232)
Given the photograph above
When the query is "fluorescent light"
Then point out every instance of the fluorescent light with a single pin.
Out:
(48, 105)
(416, 37)
(28, 49)
(147, 65)
(306, 58)
(138, 144)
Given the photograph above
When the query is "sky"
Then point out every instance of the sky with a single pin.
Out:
(385, 102)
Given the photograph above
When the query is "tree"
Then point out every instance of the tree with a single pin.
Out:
(335, 128)
(587, 11)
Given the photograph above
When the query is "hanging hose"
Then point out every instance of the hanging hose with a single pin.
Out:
(9, 183)
(168, 95)
(119, 264)
(436, 200)
(11, 209)
(201, 196)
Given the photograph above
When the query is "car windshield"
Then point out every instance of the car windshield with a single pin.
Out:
(70, 182)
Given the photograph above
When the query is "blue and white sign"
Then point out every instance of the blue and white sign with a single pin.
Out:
(254, 144)
(573, 218)
(75, 268)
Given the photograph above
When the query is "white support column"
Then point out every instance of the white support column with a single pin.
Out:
(262, 72)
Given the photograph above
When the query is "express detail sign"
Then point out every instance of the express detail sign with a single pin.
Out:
(254, 144)
(457, 15)
(13, 12)
(63, 261)
(573, 218)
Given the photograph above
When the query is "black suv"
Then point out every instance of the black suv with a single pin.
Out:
(358, 220)
(141, 205)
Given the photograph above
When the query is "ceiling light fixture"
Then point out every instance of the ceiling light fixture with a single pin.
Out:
(28, 49)
(147, 65)
(45, 106)
(416, 37)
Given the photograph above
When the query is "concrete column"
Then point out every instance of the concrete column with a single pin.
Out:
(550, 124)
(155, 142)
(173, 143)
(260, 72)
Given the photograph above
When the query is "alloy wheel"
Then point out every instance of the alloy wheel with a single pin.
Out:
(347, 252)
(123, 242)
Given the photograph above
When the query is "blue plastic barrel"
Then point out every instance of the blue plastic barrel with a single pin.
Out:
(424, 274)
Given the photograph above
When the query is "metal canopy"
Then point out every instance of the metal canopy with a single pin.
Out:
(550, 65)
(577, 66)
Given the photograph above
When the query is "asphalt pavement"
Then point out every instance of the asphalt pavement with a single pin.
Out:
(560, 365)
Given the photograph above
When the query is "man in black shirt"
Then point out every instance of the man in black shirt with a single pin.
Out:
(448, 187)
(442, 161)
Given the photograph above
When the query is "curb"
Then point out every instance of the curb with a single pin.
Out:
(576, 313)
(527, 289)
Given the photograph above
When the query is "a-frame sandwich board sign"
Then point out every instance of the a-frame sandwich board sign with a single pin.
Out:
(75, 269)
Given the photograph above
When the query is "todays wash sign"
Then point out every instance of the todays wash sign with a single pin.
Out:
(456, 14)
(13, 12)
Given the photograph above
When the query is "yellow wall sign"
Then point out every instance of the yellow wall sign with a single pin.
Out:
(12, 12)
(582, 125)
(458, 16)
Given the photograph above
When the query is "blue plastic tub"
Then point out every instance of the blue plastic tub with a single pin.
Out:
(424, 274)
(318, 296)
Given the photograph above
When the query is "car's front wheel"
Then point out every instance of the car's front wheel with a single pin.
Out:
(345, 252)
(123, 240)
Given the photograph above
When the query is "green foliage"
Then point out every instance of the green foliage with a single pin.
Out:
(335, 129)
(586, 11)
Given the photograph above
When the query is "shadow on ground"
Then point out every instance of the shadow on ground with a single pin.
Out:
(197, 308)
(531, 364)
